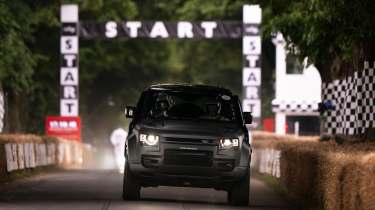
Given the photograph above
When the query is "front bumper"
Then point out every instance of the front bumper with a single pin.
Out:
(196, 176)
(198, 165)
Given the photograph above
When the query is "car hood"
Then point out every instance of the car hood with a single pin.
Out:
(186, 127)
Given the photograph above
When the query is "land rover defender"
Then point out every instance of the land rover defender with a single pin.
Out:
(188, 136)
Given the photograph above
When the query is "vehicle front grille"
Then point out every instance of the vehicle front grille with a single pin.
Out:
(190, 141)
(188, 158)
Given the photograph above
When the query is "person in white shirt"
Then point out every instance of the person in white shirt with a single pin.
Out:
(118, 138)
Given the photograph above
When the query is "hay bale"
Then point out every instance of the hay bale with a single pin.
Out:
(350, 187)
(324, 174)
(265, 136)
(298, 173)
(19, 138)
(328, 182)
(366, 185)
(331, 169)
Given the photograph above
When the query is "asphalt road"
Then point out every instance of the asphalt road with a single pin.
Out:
(102, 190)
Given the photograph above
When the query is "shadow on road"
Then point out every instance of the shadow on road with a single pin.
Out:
(100, 187)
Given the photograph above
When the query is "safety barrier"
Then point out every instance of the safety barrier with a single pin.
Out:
(22, 152)
(321, 175)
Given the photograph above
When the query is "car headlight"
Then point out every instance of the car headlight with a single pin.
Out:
(228, 143)
(149, 139)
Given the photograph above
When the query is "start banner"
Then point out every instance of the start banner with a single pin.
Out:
(160, 29)
(64, 127)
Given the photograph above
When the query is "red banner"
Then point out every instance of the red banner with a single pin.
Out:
(64, 127)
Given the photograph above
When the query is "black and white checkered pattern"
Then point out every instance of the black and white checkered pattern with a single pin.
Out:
(354, 101)
(295, 106)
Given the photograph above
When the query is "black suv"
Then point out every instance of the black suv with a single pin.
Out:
(188, 135)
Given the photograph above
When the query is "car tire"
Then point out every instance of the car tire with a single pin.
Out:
(239, 194)
(131, 189)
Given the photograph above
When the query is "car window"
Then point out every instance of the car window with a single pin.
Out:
(189, 105)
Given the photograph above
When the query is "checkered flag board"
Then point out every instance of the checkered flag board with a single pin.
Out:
(354, 99)
(295, 106)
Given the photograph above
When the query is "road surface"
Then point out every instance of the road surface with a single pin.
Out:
(101, 190)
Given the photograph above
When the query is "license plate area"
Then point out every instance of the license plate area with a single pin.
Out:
(188, 158)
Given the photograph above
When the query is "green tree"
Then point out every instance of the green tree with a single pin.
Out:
(112, 72)
(19, 22)
(336, 35)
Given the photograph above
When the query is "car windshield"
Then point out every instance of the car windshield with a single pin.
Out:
(188, 105)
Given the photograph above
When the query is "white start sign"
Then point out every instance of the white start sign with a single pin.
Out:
(248, 30)
(69, 80)
(251, 73)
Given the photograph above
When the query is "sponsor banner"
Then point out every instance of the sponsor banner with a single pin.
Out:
(51, 153)
(11, 156)
(20, 156)
(266, 161)
(29, 155)
(64, 127)
(161, 29)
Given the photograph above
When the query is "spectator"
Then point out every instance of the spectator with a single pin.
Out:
(118, 138)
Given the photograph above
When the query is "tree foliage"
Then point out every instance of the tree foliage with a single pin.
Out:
(332, 34)
(112, 72)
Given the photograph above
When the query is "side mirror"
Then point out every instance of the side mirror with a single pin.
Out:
(129, 111)
(248, 117)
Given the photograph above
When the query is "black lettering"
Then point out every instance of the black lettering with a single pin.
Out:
(252, 77)
(69, 76)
